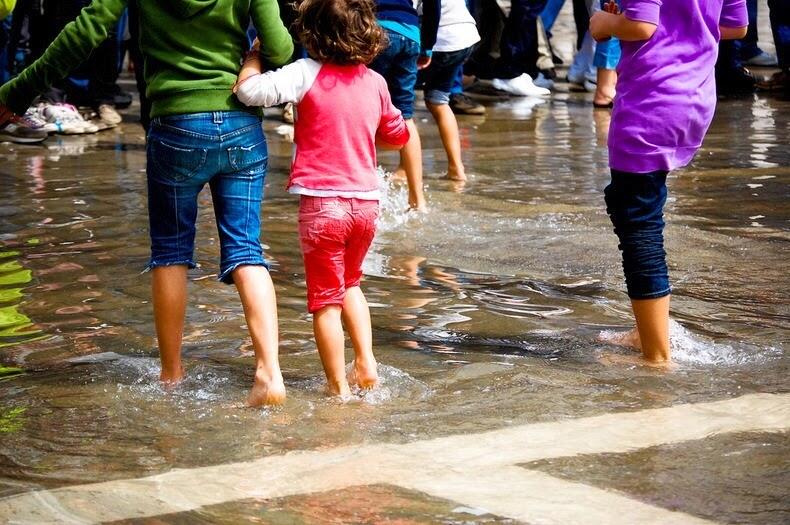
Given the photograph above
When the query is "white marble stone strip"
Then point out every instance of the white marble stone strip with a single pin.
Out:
(307, 472)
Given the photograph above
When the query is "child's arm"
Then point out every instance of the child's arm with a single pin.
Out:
(69, 49)
(734, 20)
(638, 21)
(251, 66)
(392, 133)
(287, 84)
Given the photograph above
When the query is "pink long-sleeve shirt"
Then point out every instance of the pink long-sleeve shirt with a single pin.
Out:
(340, 112)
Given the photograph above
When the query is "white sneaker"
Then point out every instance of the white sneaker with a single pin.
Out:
(521, 86)
(763, 60)
(108, 115)
(67, 119)
(33, 114)
(590, 87)
(544, 82)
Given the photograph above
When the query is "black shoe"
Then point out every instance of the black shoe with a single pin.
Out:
(122, 99)
(549, 74)
(463, 105)
(779, 81)
(735, 81)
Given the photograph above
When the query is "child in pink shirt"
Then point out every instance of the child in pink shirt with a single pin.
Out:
(343, 111)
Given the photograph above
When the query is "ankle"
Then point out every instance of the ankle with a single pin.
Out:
(337, 386)
(267, 374)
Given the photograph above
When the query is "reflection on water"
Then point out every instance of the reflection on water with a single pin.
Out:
(486, 310)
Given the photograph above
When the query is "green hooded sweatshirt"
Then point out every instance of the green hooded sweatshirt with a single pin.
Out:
(192, 51)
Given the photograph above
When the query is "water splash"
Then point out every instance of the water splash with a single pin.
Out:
(697, 350)
(394, 203)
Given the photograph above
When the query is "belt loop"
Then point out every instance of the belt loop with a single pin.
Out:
(217, 117)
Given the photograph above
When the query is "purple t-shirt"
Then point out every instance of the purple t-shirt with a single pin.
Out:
(666, 91)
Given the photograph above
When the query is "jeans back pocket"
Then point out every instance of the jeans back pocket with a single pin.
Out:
(246, 158)
(175, 162)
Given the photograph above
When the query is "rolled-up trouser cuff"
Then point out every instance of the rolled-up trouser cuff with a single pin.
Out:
(189, 263)
(226, 275)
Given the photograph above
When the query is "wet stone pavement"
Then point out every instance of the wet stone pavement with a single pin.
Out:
(498, 404)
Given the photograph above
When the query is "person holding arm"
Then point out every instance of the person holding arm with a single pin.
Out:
(343, 111)
(200, 134)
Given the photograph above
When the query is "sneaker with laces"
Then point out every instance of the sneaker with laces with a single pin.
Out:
(68, 119)
(521, 86)
(462, 104)
(33, 115)
(22, 130)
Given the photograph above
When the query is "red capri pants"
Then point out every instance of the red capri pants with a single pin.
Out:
(335, 234)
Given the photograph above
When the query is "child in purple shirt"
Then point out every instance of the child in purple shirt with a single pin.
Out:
(666, 96)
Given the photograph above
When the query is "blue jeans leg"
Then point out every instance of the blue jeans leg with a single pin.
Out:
(550, 13)
(635, 204)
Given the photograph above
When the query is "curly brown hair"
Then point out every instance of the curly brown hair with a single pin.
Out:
(339, 31)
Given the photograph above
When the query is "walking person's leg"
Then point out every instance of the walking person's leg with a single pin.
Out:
(237, 193)
(176, 172)
(635, 204)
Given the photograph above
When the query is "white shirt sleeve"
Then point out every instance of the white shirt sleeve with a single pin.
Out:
(288, 84)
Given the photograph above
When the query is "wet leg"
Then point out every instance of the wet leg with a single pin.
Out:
(356, 318)
(605, 87)
(169, 293)
(328, 330)
(652, 324)
(448, 130)
(411, 167)
(256, 291)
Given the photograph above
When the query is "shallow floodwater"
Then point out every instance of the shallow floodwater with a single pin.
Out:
(486, 313)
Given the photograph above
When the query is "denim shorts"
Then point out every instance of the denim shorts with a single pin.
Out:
(635, 204)
(440, 75)
(398, 65)
(225, 149)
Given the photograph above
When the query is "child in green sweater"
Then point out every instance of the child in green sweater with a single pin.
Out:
(200, 133)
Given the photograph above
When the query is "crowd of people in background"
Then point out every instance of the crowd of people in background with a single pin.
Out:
(507, 50)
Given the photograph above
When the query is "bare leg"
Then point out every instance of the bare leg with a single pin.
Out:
(411, 165)
(652, 323)
(448, 130)
(328, 330)
(169, 292)
(256, 291)
(605, 87)
(356, 318)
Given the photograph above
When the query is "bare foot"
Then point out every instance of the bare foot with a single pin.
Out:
(266, 391)
(363, 375)
(612, 359)
(420, 207)
(339, 389)
(456, 174)
(628, 339)
(171, 379)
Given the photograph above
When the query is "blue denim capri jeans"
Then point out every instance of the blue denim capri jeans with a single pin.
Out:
(225, 149)
(635, 204)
